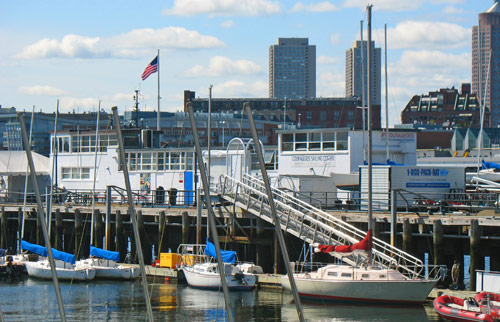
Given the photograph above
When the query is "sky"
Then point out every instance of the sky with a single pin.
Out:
(85, 52)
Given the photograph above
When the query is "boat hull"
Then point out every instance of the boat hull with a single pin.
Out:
(363, 291)
(108, 269)
(211, 281)
(455, 309)
(41, 269)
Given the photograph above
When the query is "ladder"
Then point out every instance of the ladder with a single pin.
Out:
(313, 225)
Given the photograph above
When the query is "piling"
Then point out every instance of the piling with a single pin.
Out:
(186, 222)
(121, 242)
(78, 234)
(98, 229)
(39, 235)
(58, 230)
(438, 240)
(407, 236)
(19, 226)
(475, 235)
(3, 229)
(145, 242)
(162, 238)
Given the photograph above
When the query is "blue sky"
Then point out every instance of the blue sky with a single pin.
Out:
(84, 51)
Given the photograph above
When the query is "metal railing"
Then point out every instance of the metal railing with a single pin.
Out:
(314, 225)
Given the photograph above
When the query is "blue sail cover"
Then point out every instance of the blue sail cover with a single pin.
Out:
(106, 254)
(490, 165)
(42, 251)
(228, 256)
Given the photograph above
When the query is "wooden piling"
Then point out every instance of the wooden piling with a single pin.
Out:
(58, 231)
(98, 229)
(146, 244)
(38, 232)
(121, 242)
(78, 234)
(186, 222)
(162, 238)
(475, 235)
(438, 240)
(407, 236)
(4, 240)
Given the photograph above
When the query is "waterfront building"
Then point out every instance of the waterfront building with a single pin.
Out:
(486, 61)
(354, 72)
(445, 108)
(325, 112)
(292, 69)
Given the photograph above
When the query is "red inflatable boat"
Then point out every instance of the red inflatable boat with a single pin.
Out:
(484, 306)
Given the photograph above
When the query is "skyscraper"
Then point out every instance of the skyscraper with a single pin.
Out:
(292, 69)
(353, 72)
(486, 61)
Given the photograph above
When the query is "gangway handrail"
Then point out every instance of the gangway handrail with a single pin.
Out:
(385, 254)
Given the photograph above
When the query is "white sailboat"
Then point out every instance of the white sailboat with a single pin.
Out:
(64, 265)
(106, 265)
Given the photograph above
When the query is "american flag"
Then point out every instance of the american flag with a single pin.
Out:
(151, 68)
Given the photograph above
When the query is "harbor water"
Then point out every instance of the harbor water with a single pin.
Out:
(35, 300)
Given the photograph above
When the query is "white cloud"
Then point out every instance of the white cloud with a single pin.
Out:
(133, 44)
(223, 7)
(69, 46)
(331, 84)
(222, 66)
(397, 5)
(44, 90)
(68, 104)
(324, 6)
(452, 10)
(327, 60)
(425, 34)
(238, 89)
(335, 39)
(227, 24)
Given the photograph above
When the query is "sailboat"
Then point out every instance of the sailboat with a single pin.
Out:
(205, 275)
(106, 265)
(64, 262)
(364, 280)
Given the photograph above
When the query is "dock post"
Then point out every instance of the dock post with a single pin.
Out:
(58, 230)
(78, 234)
(394, 219)
(198, 217)
(407, 235)
(39, 233)
(108, 240)
(133, 242)
(186, 222)
(475, 235)
(162, 238)
(4, 243)
(438, 240)
(19, 227)
(121, 244)
(145, 244)
(98, 228)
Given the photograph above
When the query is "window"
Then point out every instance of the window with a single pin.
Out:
(75, 173)
(346, 275)
(332, 273)
(287, 142)
(341, 141)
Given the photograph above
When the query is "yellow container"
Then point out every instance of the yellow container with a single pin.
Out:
(168, 260)
(188, 259)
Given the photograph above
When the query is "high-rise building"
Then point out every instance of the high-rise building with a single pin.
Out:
(292, 69)
(486, 61)
(354, 72)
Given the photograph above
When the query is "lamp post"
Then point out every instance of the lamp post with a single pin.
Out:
(284, 115)
(298, 123)
(223, 122)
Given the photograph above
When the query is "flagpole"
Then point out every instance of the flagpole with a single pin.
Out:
(158, 115)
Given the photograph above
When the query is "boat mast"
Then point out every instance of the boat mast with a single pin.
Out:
(272, 206)
(95, 175)
(386, 96)
(26, 179)
(133, 216)
(209, 132)
(483, 107)
(41, 215)
(370, 172)
(54, 157)
(211, 216)
(363, 96)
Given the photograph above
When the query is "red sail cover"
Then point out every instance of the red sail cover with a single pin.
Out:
(364, 245)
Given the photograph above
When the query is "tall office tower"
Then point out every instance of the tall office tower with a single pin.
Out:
(353, 72)
(486, 61)
(292, 69)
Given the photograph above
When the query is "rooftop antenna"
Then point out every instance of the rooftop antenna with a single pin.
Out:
(136, 109)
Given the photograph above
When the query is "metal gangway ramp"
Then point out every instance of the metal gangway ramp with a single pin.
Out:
(313, 225)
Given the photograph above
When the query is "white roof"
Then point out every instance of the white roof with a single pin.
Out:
(494, 8)
(15, 163)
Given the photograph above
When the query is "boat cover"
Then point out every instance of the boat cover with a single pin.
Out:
(228, 256)
(364, 245)
(106, 254)
(490, 165)
(42, 251)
